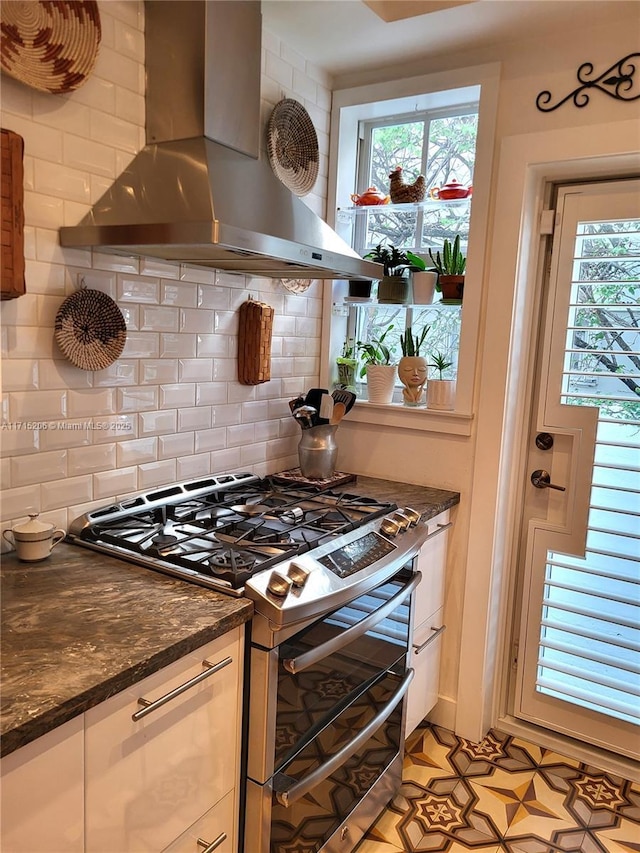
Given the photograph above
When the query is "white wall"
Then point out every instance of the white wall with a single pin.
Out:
(174, 390)
(471, 465)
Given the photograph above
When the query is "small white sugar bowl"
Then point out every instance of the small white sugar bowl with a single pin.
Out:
(33, 539)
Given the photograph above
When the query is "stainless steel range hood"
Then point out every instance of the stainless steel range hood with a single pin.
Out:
(199, 192)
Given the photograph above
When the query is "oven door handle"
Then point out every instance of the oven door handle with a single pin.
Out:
(307, 783)
(307, 659)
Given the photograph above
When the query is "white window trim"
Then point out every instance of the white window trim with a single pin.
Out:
(429, 91)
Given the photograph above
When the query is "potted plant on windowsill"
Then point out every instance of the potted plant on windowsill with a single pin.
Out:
(377, 366)
(394, 286)
(441, 392)
(450, 267)
(412, 367)
(423, 280)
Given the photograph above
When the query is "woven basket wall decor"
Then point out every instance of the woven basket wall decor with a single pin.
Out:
(90, 329)
(50, 45)
(292, 144)
(254, 342)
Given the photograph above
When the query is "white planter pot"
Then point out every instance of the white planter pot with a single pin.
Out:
(380, 382)
(424, 287)
(441, 394)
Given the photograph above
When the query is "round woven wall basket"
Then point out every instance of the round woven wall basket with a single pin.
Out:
(292, 144)
(90, 329)
(51, 46)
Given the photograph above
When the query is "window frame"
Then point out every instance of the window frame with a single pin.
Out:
(429, 92)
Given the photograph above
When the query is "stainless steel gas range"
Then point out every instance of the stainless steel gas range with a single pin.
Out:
(331, 574)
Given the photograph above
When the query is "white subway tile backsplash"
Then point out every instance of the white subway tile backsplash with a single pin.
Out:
(19, 374)
(212, 345)
(159, 269)
(138, 290)
(171, 406)
(197, 320)
(210, 439)
(121, 372)
(20, 502)
(156, 423)
(156, 371)
(195, 369)
(156, 473)
(137, 451)
(158, 319)
(241, 435)
(194, 418)
(181, 345)
(181, 294)
(62, 374)
(175, 446)
(63, 493)
(211, 393)
(88, 460)
(177, 395)
(136, 399)
(192, 467)
(91, 403)
(38, 406)
(108, 484)
(38, 467)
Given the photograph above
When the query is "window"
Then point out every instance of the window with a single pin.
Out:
(440, 126)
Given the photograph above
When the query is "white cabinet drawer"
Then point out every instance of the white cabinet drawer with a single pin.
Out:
(218, 825)
(432, 561)
(425, 661)
(42, 797)
(147, 780)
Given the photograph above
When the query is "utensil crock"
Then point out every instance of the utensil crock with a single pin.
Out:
(33, 539)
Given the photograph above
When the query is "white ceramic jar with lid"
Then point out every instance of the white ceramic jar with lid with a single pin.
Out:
(33, 539)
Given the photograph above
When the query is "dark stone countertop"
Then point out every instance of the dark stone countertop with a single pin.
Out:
(81, 626)
(426, 500)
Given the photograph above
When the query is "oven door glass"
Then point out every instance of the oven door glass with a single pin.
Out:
(338, 661)
(318, 789)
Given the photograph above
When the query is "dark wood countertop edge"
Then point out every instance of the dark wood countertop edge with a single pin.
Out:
(34, 728)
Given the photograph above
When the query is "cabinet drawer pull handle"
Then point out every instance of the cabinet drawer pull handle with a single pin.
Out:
(436, 633)
(440, 528)
(208, 848)
(148, 706)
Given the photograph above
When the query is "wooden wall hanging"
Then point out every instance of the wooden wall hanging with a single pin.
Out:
(254, 342)
(12, 215)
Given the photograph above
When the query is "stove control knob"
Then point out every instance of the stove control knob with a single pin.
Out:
(414, 515)
(279, 585)
(403, 520)
(298, 575)
(389, 525)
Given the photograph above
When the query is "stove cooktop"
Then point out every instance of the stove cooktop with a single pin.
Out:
(221, 530)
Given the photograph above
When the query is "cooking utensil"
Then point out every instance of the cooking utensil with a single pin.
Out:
(305, 415)
(296, 403)
(326, 407)
(339, 411)
(314, 397)
(341, 395)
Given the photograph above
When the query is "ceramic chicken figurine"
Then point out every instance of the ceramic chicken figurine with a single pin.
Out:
(401, 192)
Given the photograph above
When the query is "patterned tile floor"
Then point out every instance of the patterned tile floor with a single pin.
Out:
(503, 795)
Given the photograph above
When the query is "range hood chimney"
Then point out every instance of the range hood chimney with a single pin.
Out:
(199, 192)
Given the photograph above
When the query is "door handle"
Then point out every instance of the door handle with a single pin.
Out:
(542, 480)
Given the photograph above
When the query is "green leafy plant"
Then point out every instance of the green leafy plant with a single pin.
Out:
(440, 363)
(452, 261)
(394, 260)
(418, 264)
(411, 343)
(375, 351)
